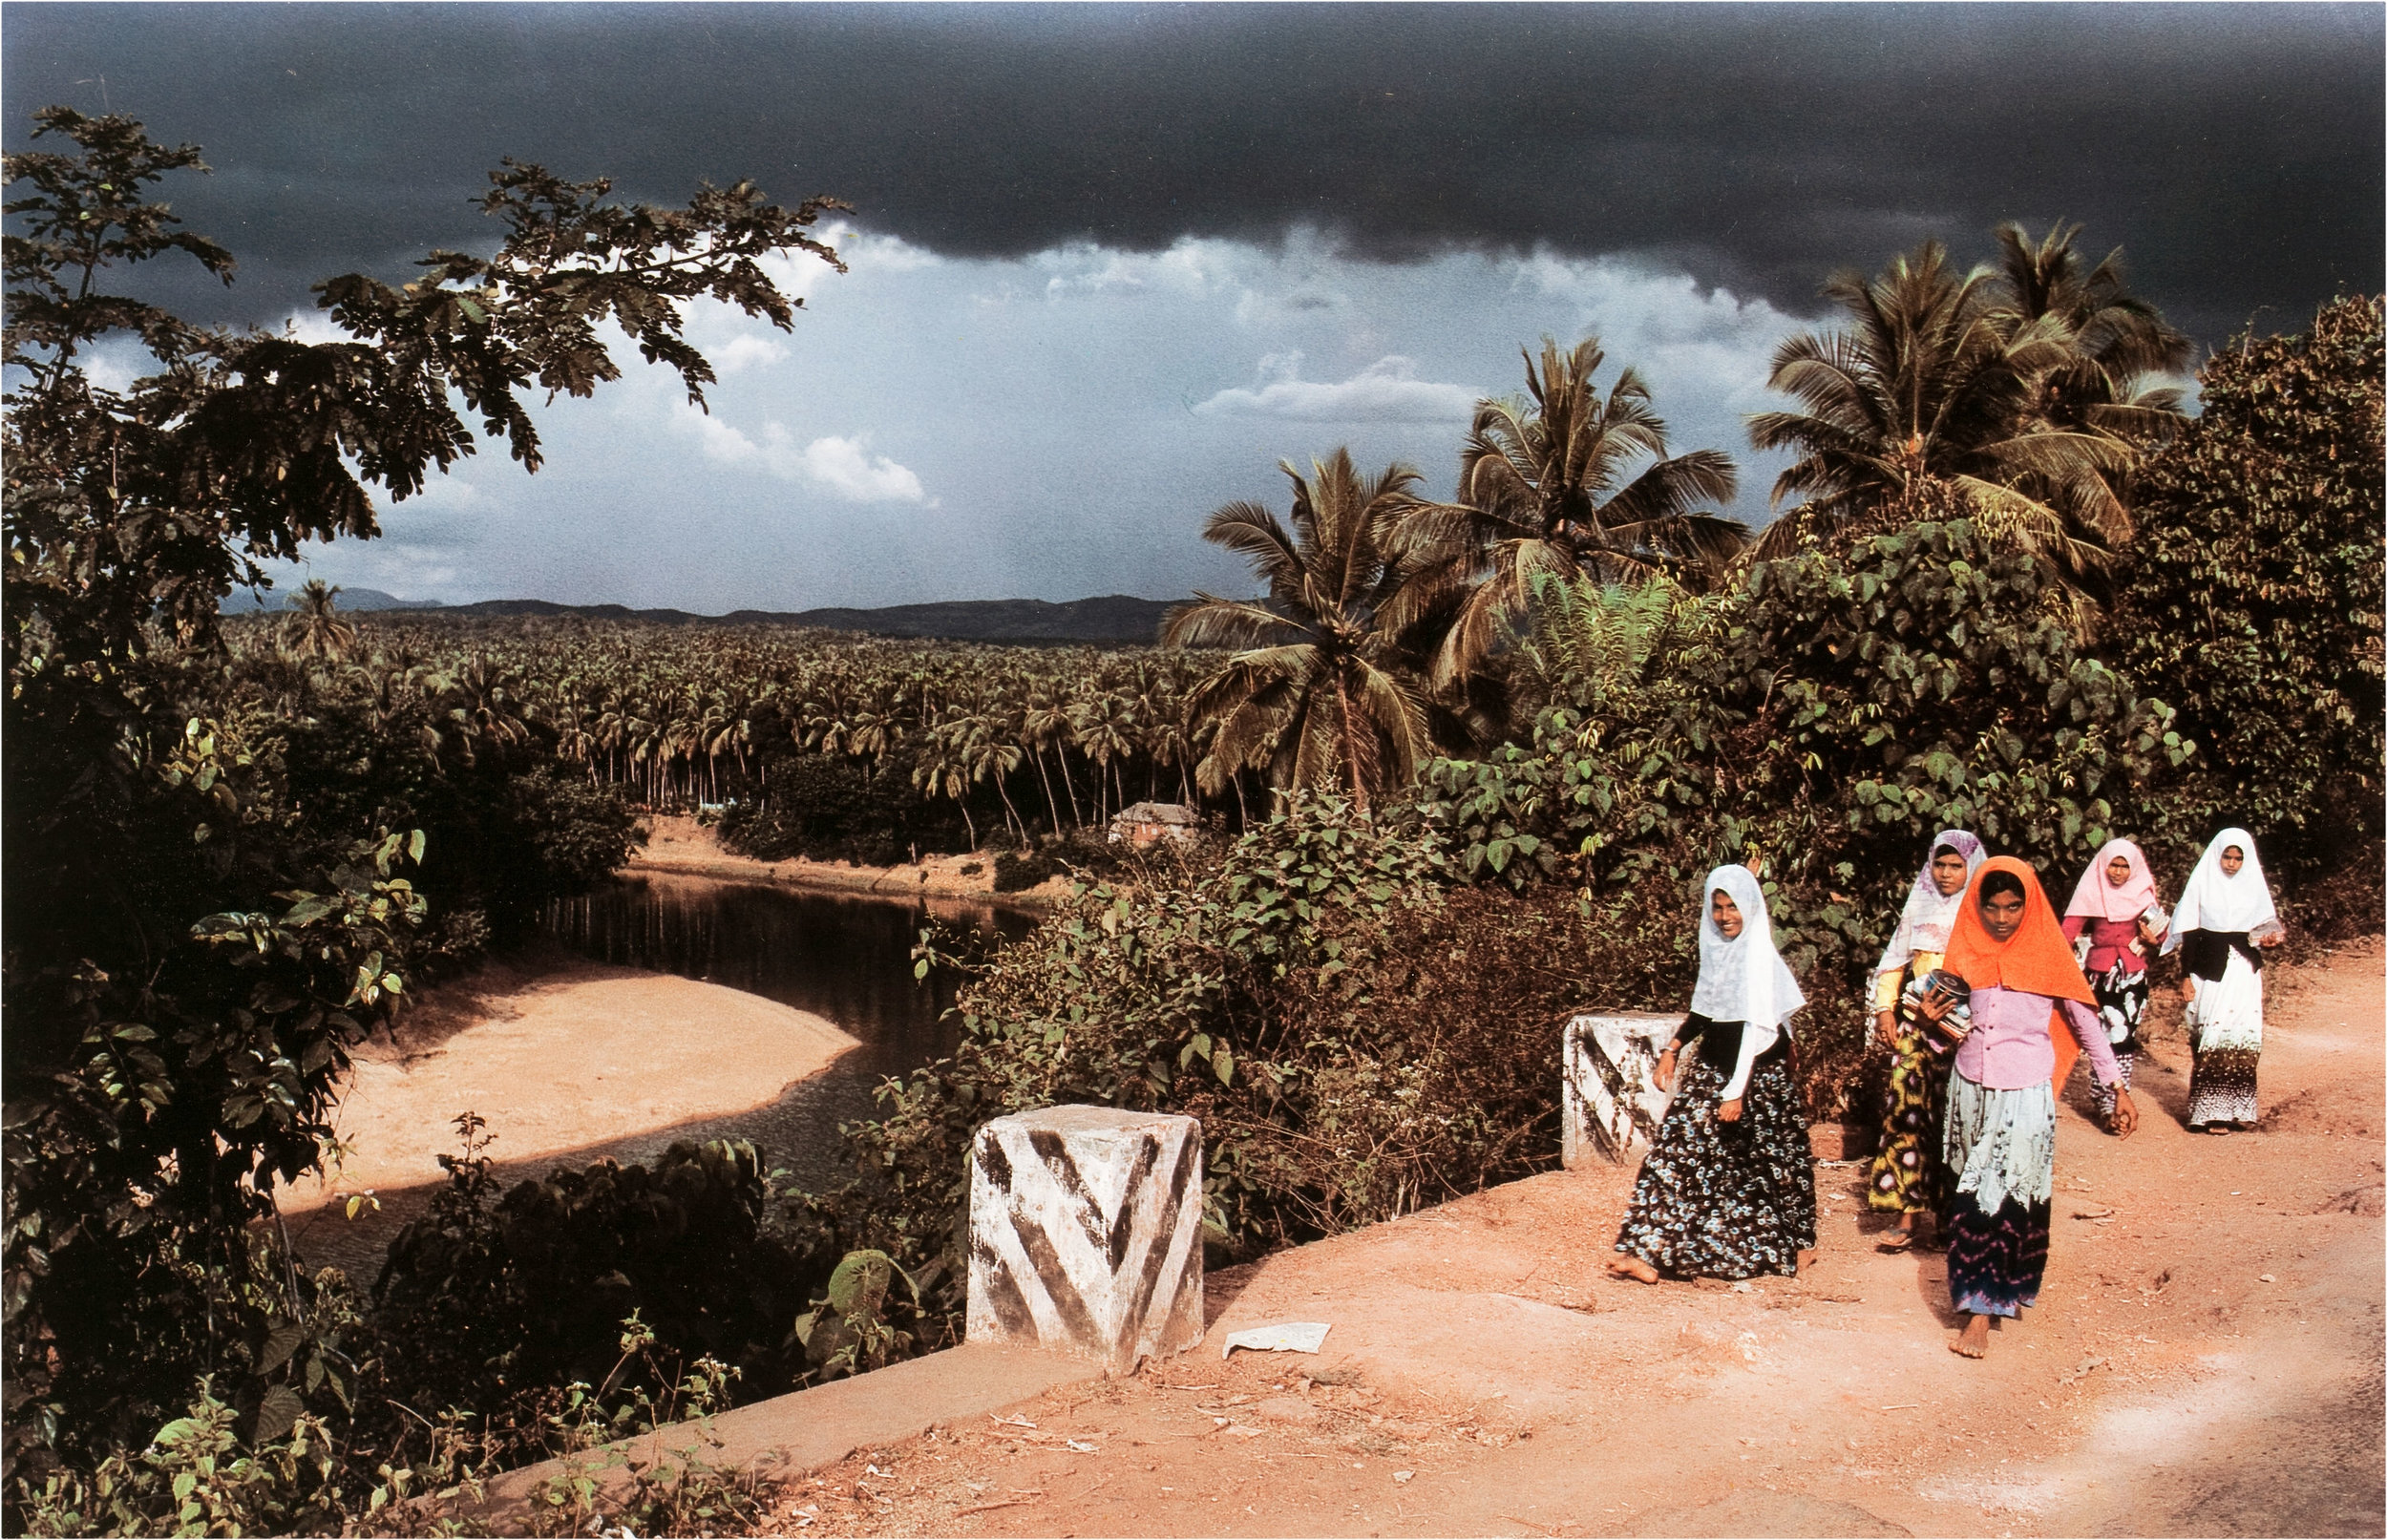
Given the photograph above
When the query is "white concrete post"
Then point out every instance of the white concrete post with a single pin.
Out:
(1613, 1105)
(1086, 1232)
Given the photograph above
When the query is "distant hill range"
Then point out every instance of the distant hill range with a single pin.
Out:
(356, 600)
(1116, 618)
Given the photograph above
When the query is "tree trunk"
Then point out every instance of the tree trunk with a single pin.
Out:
(1351, 746)
(1004, 791)
(1045, 776)
(1077, 814)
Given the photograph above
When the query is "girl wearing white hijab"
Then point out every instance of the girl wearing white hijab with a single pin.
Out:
(1728, 1188)
(2225, 920)
(1908, 1177)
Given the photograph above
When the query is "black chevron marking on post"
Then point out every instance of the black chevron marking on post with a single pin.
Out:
(1166, 1232)
(995, 1164)
(1003, 1292)
(1185, 1312)
(1123, 1223)
(1055, 1279)
(1062, 1165)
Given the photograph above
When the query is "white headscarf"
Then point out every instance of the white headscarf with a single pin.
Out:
(2215, 900)
(1924, 924)
(1744, 978)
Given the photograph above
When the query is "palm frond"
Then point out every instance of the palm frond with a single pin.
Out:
(1208, 621)
(1252, 532)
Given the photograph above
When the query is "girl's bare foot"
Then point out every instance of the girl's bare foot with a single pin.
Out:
(1805, 1260)
(1974, 1340)
(1634, 1267)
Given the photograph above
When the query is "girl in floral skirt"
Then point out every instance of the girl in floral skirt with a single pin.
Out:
(1728, 1188)
(1906, 1177)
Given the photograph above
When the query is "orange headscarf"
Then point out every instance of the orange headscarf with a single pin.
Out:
(2035, 959)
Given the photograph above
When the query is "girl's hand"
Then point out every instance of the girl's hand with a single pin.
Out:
(1934, 1006)
(1886, 1026)
(2126, 1116)
(1664, 1075)
(1729, 1112)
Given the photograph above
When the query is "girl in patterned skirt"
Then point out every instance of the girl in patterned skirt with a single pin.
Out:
(1728, 1188)
(2226, 919)
(2113, 921)
(1906, 1177)
(2001, 1099)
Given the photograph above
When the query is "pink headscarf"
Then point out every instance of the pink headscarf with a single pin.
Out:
(2096, 898)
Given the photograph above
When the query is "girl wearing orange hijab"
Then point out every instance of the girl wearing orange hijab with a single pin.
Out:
(2001, 1099)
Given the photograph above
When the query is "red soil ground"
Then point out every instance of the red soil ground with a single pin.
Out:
(2207, 1360)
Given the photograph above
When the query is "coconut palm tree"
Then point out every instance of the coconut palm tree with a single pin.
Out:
(2112, 382)
(2018, 391)
(1318, 693)
(314, 627)
(2118, 339)
(1564, 481)
(944, 769)
(1046, 721)
(991, 754)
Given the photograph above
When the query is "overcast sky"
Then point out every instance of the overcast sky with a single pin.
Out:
(1111, 263)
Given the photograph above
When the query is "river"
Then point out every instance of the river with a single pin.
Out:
(843, 957)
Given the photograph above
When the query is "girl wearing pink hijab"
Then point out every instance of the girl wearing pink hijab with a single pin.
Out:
(2115, 921)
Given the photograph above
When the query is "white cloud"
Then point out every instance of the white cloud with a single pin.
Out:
(1386, 390)
(746, 351)
(839, 465)
(846, 466)
(1094, 420)
(717, 440)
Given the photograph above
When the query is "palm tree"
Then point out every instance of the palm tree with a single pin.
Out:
(991, 754)
(1047, 721)
(2121, 346)
(1561, 481)
(1105, 732)
(1315, 695)
(1985, 384)
(314, 627)
(944, 769)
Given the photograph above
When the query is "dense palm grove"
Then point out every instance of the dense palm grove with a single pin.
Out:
(1465, 758)
(1040, 741)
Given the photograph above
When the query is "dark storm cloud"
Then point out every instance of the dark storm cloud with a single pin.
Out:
(2235, 151)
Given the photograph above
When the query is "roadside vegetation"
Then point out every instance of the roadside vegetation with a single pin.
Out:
(1464, 763)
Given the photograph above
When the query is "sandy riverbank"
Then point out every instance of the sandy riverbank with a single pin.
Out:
(568, 1061)
(679, 845)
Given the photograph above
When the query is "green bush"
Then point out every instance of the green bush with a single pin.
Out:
(487, 1294)
(1825, 716)
(1018, 871)
(1156, 995)
(834, 807)
(2253, 591)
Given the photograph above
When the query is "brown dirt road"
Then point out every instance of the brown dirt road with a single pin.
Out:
(2207, 1360)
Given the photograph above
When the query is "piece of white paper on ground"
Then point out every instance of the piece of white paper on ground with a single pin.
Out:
(1286, 1337)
